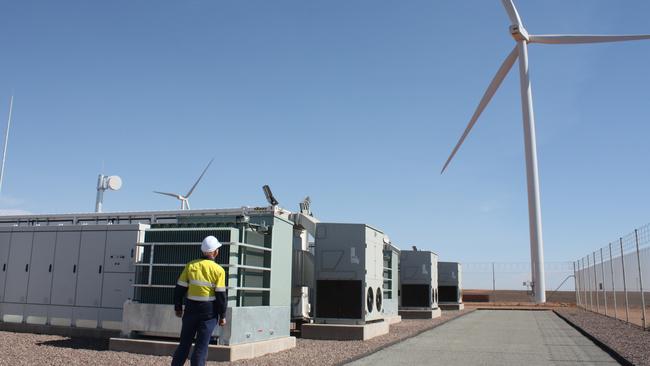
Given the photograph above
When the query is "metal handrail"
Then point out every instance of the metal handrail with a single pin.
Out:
(558, 288)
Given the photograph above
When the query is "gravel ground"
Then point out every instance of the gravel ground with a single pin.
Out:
(629, 341)
(37, 349)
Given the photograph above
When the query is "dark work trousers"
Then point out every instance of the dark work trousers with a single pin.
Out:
(199, 319)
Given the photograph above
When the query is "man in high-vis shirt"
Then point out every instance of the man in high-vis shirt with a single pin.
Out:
(203, 285)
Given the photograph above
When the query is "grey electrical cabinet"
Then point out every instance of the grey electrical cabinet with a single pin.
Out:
(66, 255)
(20, 254)
(58, 274)
(418, 279)
(40, 273)
(91, 261)
(450, 283)
(5, 242)
(120, 249)
(349, 273)
(117, 288)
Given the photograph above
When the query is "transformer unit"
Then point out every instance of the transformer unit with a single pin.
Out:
(349, 274)
(418, 280)
(450, 285)
(391, 281)
(256, 254)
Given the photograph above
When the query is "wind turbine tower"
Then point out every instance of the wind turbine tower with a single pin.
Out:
(520, 51)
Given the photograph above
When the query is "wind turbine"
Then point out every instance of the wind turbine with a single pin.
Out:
(523, 38)
(185, 203)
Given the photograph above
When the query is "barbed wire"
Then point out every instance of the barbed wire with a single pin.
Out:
(625, 244)
(514, 267)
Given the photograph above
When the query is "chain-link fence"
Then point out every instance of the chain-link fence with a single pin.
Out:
(613, 280)
(510, 282)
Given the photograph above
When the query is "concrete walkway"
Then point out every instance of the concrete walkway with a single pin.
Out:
(495, 337)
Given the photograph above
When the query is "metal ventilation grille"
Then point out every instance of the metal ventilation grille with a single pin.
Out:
(165, 275)
(388, 274)
(154, 295)
(302, 273)
(416, 296)
(189, 235)
(448, 294)
(165, 251)
(181, 254)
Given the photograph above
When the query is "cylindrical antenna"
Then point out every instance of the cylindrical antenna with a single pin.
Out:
(4, 151)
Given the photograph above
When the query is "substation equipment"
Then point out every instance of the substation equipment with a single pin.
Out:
(391, 276)
(450, 289)
(58, 272)
(256, 255)
(418, 284)
(116, 271)
(302, 277)
(349, 273)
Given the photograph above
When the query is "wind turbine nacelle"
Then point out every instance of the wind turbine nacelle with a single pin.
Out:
(519, 33)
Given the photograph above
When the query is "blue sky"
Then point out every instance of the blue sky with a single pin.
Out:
(355, 103)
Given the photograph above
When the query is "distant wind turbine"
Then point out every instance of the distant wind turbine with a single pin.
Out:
(520, 51)
(185, 203)
(4, 150)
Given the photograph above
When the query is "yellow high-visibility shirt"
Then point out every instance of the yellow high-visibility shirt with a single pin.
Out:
(202, 277)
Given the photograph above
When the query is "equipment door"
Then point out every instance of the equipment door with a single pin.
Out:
(18, 266)
(91, 268)
(64, 280)
(5, 241)
(40, 273)
(120, 246)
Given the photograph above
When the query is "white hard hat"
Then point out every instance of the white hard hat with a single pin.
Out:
(210, 244)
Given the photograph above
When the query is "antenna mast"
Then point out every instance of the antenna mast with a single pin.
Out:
(4, 152)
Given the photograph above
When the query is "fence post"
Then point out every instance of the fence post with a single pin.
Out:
(638, 261)
(602, 272)
(575, 284)
(596, 284)
(591, 294)
(611, 267)
(627, 312)
(494, 286)
(585, 282)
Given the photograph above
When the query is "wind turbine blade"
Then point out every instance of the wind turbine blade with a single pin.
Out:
(489, 93)
(198, 180)
(512, 12)
(585, 38)
(167, 194)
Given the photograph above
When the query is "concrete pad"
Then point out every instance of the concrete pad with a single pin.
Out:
(342, 332)
(420, 314)
(452, 306)
(499, 337)
(215, 352)
(66, 331)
